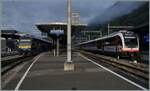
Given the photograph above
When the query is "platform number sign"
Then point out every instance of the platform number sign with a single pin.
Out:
(57, 32)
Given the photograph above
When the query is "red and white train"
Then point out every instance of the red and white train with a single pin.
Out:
(121, 43)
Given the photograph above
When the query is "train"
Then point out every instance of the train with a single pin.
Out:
(31, 45)
(119, 44)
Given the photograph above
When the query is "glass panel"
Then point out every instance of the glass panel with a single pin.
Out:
(130, 40)
(25, 42)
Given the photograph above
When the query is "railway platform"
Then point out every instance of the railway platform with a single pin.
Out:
(46, 72)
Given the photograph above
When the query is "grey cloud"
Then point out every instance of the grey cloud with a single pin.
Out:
(23, 14)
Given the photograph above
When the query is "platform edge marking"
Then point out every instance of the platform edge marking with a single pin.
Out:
(135, 84)
(25, 74)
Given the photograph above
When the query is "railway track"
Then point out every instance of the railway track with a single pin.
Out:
(131, 68)
(9, 64)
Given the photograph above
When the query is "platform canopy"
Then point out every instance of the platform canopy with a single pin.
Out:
(47, 27)
(9, 33)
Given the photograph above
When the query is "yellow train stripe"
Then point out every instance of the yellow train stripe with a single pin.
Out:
(24, 47)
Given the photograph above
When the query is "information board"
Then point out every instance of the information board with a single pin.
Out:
(57, 32)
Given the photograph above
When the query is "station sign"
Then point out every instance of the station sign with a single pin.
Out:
(57, 32)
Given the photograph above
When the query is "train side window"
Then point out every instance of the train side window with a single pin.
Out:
(106, 42)
(99, 44)
(112, 41)
(118, 40)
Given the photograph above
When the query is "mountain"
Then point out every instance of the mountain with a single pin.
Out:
(119, 9)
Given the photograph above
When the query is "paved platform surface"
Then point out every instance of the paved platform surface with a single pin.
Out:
(47, 74)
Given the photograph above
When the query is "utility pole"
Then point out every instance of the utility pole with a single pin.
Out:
(69, 33)
(57, 46)
(68, 65)
(100, 34)
(108, 29)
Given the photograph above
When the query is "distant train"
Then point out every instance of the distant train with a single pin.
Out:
(120, 44)
(31, 45)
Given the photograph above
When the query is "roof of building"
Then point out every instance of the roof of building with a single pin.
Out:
(9, 34)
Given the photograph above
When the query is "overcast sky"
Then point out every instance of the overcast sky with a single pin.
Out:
(22, 15)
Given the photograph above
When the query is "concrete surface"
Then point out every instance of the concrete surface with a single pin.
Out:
(48, 74)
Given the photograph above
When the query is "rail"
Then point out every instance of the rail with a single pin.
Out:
(141, 71)
(5, 54)
(11, 63)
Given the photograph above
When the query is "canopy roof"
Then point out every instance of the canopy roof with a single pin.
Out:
(46, 27)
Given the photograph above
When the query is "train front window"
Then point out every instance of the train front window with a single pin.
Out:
(25, 42)
(130, 41)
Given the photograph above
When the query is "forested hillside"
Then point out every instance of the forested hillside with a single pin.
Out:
(135, 18)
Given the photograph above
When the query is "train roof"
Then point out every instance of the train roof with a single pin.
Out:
(104, 37)
(44, 40)
(37, 38)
